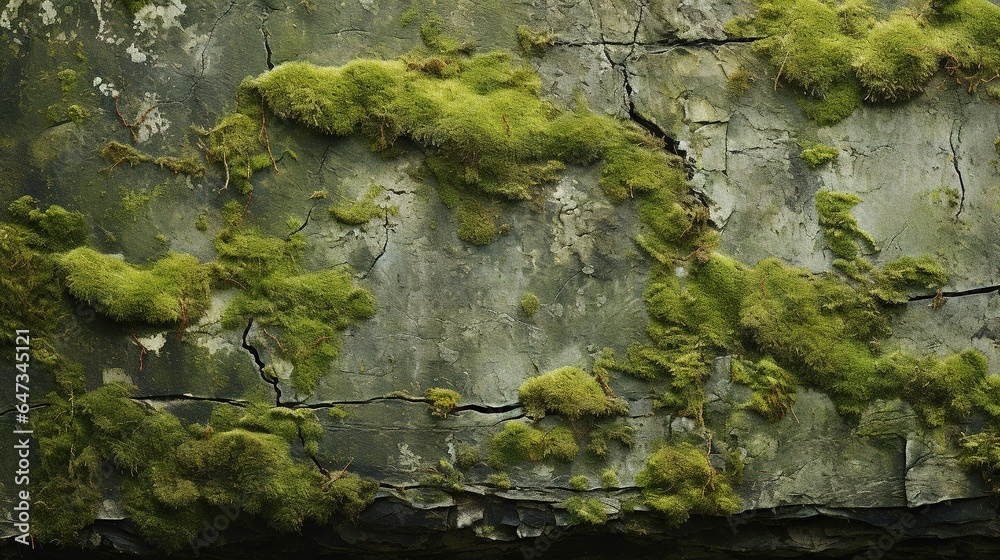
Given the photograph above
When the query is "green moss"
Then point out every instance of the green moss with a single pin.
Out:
(570, 392)
(773, 387)
(896, 59)
(519, 442)
(69, 80)
(476, 223)
(201, 222)
(602, 436)
(337, 413)
(500, 481)
(175, 480)
(889, 283)
(589, 510)
(303, 311)
(134, 6)
(174, 289)
(609, 479)
(445, 475)
(54, 229)
(77, 113)
(833, 51)
(442, 401)
(434, 38)
(579, 482)
(363, 211)
(119, 153)
(534, 43)
(529, 304)
(678, 481)
(839, 226)
(818, 154)
(982, 452)
(739, 83)
(30, 287)
(467, 456)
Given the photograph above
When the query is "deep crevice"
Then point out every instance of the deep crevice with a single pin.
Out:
(958, 171)
(385, 245)
(481, 408)
(670, 144)
(699, 42)
(260, 364)
(960, 293)
(190, 397)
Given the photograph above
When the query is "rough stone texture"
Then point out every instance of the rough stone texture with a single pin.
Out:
(448, 313)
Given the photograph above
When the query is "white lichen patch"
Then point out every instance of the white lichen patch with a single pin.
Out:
(153, 18)
(148, 120)
(48, 13)
(9, 13)
(107, 89)
(136, 53)
(154, 343)
(409, 460)
(115, 375)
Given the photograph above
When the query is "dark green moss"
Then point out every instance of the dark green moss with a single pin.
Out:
(54, 229)
(362, 211)
(174, 479)
(602, 436)
(773, 387)
(30, 287)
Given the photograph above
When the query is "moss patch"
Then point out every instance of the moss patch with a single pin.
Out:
(362, 211)
(442, 401)
(118, 153)
(518, 442)
(304, 311)
(175, 477)
(570, 392)
(818, 154)
(174, 289)
(678, 481)
(835, 53)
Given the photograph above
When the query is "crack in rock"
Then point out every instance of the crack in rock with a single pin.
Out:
(958, 171)
(960, 293)
(273, 381)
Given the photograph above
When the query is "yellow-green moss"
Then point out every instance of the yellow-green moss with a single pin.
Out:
(518, 442)
(362, 211)
(678, 481)
(570, 392)
(30, 286)
(586, 510)
(602, 436)
(818, 154)
(500, 481)
(609, 479)
(579, 482)
(739, 83)
(52, 229)
(173, 289)
(530, 304)
(835, 53)
(442, 401)
(118, 153)
(773, 387)
(304, 311)
(534, 42)
(839, 226)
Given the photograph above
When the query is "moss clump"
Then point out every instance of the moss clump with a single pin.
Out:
(30, 287)
(77, 113)
(579, 482)
(300, 425)
(589, 510)
(678, 481)
(835, 53)
(362, 211)
(445, 475)
(174, 478)
(442, 401)
(818, 154)
(530, 304)
(119, 153)
(889, 283)
(486, 133)
(133, 6)
(570, 392)
(602, 436)
(982, 452)
(52, 229)
(839, 226)
(534, 43)
(476, 223)
(467, 456)
(519, 442)
(174, 289)
(437, 40)
(500, 481)
(303, 311)
(609, 479)
(773, 387)
(739, 83)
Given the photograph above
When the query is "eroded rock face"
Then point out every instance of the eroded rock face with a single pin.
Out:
(449, 313)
